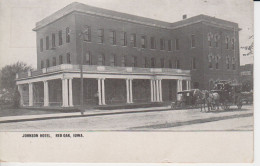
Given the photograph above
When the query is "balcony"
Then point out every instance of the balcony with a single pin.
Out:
(103, 69)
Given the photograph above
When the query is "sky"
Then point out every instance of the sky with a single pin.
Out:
(18, 18)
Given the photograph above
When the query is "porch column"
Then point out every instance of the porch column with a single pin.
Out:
(103, 92)
(188, 84)
(30, 94)
(131, 90)
(65, 97)
(46, 93)
(160, 89)
(127, 91)
(20, 89)
(152, 97)
(99, 92)
(179, 88)
(157, 91)
(154, 91)
(70, 93)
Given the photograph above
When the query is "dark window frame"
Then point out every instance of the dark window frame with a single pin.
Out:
(67, 35)
(47, 43)
(60, 37)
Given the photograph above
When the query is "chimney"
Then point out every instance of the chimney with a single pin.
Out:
(184, 16)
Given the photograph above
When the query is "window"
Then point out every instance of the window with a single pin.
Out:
(210, 61)
(54, 61)
(227, 40)
(146, 63)
(47, 63)
(170, 64)
(134, 61)
(178, 66)
(123, 39)
(169, 45)
(153, 62)
(100, 36)
(216, 39)
(227, 62)
(60, 59)
(68, 58)
(112, 37)
(193, 63)
(210, 36)
(143, 41)
(87, 34)
(192, 41)
(133, 40)
(60, 37)
(67, 34)
(153, 43)
(53, 40)
(42, 64)
(162, 62)
(41, 45)
(162, 44)
(123, 61)
(177, 46)
(233, 63)
(47, 42)
(113, 60)
(217, 61)
(87, 59)
(233, 44)
(101, 59)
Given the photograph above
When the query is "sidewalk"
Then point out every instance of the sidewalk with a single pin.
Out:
(8, 119)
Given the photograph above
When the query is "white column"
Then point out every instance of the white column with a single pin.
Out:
(99, 92)
(188, 84)
(157, 91)
(65, 96)
(160, 89)
(179, 88)
(30, 94)
(70, 93)
(152, 97)
(46, 93)
(20, 89)
(154, 91)
(103, 92)
(131, 90)
(127, 91)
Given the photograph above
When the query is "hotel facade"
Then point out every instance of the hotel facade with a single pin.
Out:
(126, 59)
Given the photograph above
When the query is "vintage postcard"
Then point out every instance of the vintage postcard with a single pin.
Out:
(151, 81)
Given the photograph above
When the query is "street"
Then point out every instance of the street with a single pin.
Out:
(170, 120)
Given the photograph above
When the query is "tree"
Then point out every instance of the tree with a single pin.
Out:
(8, 74)
(249, 48)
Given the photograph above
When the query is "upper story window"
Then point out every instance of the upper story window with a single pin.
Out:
(47, 63)
(123, 61)
(210, 61)
(169, 45)
(193, 63)
(87, 33)
(162, 44)
(67, 35)
(101, 60)
(87, 58)
(41, 45)
(112, 37)
(54, 61)
(60, 59)
(42, 64)
(134, 61)
(177, 44)
(100, 36)
(178, 65)
(53, 40)
(217, 40)
(210, 36)
(143, 41)
(153, 62)
(162, 62)
(123, 39)
(113, 60)
(227, 61)
(47, 42)
(217, 62)
(146, 63)
(192, 41)
(170, 63)
(133, 40)
(68, 58)
(60, 37)
(233, 63)
(226, 41)
(233, 44)
(153, 43)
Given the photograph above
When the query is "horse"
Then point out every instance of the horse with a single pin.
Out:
(213, 100)
(200, 98)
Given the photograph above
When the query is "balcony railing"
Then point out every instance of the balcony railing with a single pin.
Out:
(102, 69)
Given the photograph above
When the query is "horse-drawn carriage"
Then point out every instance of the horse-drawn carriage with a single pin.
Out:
(186, 100)
(229, 94)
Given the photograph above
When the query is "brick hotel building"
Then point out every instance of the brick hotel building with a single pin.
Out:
(126, 58)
